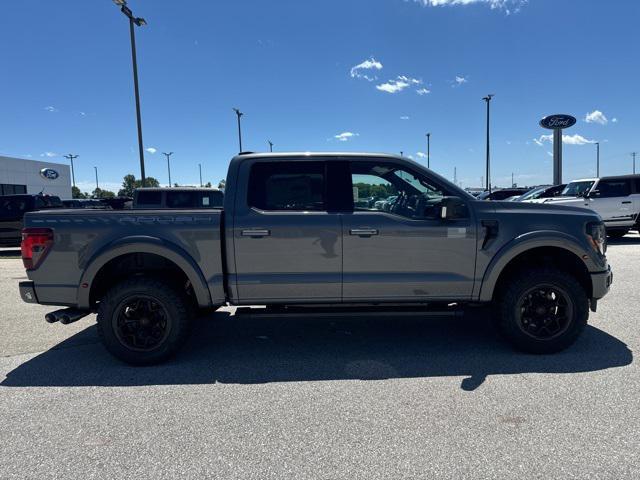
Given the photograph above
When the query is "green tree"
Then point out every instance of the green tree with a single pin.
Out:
(77, 193)
(99, 193)
(221, 184)
(130, 183)
(208, 184)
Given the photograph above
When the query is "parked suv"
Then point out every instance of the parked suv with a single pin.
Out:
(615, 199)
(12, 210)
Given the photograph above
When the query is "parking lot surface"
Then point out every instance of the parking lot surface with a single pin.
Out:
(312, 397)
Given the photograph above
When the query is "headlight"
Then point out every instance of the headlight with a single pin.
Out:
(597, 235)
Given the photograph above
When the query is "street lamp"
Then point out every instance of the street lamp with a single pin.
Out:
(488, 166)
(239, 114)
(270, 145)
(96, 170)
(168, 164)
(428, 150)
(200, 170)
(597, 159)
(73, 175)
(139, 22)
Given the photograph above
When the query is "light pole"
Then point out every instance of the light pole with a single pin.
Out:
(633, 154)
(96, 170)
(200, 170)
(270, 145)
(73, 175)
(139, 22)
(168, 164)
(597, 159)
(488, 167)
(239, 114)
(428, 150)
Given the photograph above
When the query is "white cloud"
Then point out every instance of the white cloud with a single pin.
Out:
(83, 114)
(614, 120)
(508, 6)
(345, 136)
(421, 155)
(596, 117)
(404, 117)
(51, 109)
(459, 80)
(151, 150)
(398, 84)
(574, 139)
(423, 91)
(49, 154)
(369, 64)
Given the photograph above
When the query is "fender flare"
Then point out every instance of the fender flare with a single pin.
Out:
(143, 244)
(523, 243)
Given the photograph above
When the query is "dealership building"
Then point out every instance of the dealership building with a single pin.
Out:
(19, 175)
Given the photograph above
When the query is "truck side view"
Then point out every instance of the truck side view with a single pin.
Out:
(331, 229)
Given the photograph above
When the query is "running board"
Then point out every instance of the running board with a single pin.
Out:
(355, 311)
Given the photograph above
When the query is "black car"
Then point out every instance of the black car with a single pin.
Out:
(502, 193)
(12, 210)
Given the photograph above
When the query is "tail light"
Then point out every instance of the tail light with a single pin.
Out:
(35, 245)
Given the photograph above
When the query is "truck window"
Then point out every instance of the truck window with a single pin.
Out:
(298, 186)
(613, 188)
(181, 199)
(389, 188)
(152, 198)
(212, 200)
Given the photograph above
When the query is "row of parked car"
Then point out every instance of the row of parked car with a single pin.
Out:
(13, 207)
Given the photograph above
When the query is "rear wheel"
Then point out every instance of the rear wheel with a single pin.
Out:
(143, 321)
(543, 310)
(617, 233)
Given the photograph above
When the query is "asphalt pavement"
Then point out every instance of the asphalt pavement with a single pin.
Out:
(332, 398)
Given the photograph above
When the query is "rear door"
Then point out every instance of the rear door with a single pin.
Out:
(611, 199)
(287, 244)
(399, 249)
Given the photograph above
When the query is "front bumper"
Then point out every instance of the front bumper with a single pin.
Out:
(601, 283)
(28, 292)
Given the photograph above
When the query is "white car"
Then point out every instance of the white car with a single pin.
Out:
(615, 199)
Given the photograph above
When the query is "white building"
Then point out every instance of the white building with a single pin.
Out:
(19, 175)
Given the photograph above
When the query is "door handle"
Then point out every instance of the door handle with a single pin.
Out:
(626, 201)
(255, 232)
(363, 232)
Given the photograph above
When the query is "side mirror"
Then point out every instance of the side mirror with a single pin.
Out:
(452, 208)
(592, 193)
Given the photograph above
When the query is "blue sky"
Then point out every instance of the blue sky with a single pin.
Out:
(289, 65)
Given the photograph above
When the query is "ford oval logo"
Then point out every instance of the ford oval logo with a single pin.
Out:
(49, 173)
(558, 121)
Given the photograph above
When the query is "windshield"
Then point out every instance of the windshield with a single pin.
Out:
(577, 189)
(534, 193)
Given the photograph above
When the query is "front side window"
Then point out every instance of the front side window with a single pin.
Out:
(577, 189)
(294, 186)
(612, 188)
(389, 188)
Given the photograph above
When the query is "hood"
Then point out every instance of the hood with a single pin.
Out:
(541, 208)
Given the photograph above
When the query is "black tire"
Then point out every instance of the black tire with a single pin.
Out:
(143, 321)
(522, 320)
(617, 233)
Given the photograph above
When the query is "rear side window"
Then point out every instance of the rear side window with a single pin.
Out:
(149, 198)
(613, 188)
(181, 199)
(297, 186)
(212, 200)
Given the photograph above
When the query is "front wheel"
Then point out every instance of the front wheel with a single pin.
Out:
(543, 310)
(143, 321)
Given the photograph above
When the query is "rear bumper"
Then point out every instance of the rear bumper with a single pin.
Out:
(601, 283)
(28, 292)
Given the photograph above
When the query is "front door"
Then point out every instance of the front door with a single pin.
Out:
(396, 246)
(288, 247)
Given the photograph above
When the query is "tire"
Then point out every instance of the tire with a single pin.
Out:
(143, 321)
(617, 233)
(521, 319)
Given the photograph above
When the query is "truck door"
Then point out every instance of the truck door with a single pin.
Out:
(396, 246)
(611, 199)
(288, 246)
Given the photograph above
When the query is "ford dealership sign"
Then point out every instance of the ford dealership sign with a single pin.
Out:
(558, 121)
(49, 173)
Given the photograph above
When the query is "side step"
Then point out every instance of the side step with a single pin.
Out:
(274, 311)
(66, 315)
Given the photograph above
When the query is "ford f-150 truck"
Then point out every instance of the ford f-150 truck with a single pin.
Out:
(294, 233)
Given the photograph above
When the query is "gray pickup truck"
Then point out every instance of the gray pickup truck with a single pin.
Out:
(295, 232)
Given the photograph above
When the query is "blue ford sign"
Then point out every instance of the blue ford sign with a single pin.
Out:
(560, 121)
(49, 173)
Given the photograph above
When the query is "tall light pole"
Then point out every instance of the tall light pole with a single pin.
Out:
(139, 22)
(428, 150)
(73, 175)
(488, 166)
(597, 159)
(96, 170)
(633, 154)
(200, 170)
(168, 164)
(270, 145)
(239, 114)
